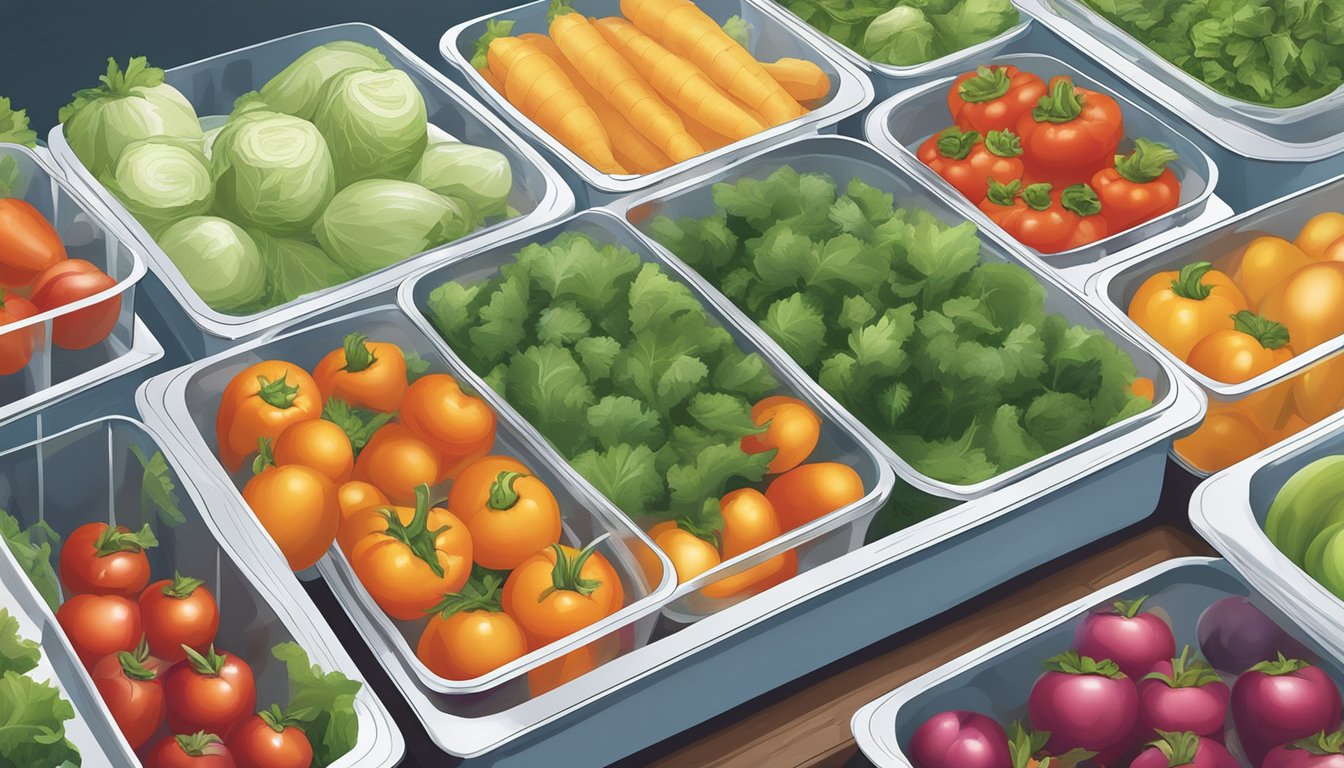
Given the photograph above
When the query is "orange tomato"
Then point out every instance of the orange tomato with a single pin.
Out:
(1179, 308)
(690, 554)
(1292, 425)
(318, 444)
(572, 665)
(1334, 251)
(1266, 262)
(363, 373)
(561, 590)
(297, 507)
(1317, 235)
(1142, 386)
(260, 401)
(791, 428)
(807, 492)
(459, 427)
(469, 635)
(1234, 355)
(749, 520)
(356, 496)
(1226, 437)
(471, 489)
(397, 462)
(519, 518)
(1319, 390)
(1310, 302)
(408, 559)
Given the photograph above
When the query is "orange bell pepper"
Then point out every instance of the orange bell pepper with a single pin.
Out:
(363, 373)
(1179, 308)
(260, 402)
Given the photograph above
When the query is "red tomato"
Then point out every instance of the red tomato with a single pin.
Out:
(1052, 221)
(269, 739)
(16, 347)
(196, 750)
(100, 625)
(98, 559)
(1071, 134)
(211, 692)
(28, 243)
(1139, 188)
(176, 612)
(1002, 200)
(69, 281)
(993, 98)
(969, 163)
(131, 688)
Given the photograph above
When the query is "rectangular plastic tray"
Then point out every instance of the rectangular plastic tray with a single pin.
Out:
(186, 401)
(844, 158)
(995, 678)
(1229, 510)
(771, 39)
(89, 232)
(1305, 133)
(1112, 289)
(212, 84)
(816, 541)
(901, 124)
(259, 606)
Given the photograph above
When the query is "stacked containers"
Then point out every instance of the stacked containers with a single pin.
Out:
(771, 39)
(259, 605)
(212, 85)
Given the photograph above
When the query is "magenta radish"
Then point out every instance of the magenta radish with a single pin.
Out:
(1184, 695)
(1321, 750)
(1234, 635)
(960, 739)
(1282, 701)
(1174, 749)
(1135, 640)
(1083, 703)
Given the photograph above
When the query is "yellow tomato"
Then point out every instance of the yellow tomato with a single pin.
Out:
(1179, 308)
(1310, 303)
(1226, 437)
(690, 554)
(1266, 262)
(1319, 390)
(1320, 232)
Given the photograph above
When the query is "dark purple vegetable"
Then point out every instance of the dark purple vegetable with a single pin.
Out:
(1234, 636)
(960, 739)
(1174, 749)
(1083, 703)
(1135, 640)
(1184, 695)
(1281, 701)
(1321, 750)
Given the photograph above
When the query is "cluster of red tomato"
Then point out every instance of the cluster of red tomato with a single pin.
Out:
(150, 649)
(33, 263)
(1040, 160)
(350, 452)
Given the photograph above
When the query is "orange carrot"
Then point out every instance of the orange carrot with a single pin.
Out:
(801, 79)
(612, 76)
(632, 150)
(679, 82)
(689, 33)
(708, 138)
(491, 80)
(539, 89)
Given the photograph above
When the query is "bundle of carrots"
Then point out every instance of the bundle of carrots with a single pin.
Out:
(636, 94)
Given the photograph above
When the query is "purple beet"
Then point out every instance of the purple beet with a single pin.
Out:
(1234, 636)
(1282, 701)
(1184, 749)
(960, 739)
(1134, 639)
(1184, 695)
(1322, 750)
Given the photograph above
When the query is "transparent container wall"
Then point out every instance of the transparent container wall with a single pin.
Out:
(84, 237)
(999, 686)
(581, 513)
(845, 159)
(836, 443)
(912, 119)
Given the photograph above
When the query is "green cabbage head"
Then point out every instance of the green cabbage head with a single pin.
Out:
(219, 261)
(479, 176)
(298, 87)
(295, 268)
(272, 171)
(374, 123)
(161, 181)
(376, 223)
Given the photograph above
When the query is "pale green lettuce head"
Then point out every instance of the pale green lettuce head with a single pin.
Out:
(376, 223)
(161, 181)
(374, 123)
(298, 87)
(272, 171)
(219, 261)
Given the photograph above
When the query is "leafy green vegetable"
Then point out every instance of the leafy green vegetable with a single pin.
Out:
(161, 181)
(907, 32)
(32, 713)
(1281, 53)
(953, 362)
(376, 223)
(33, 549)
(297, 89)
(272, 171)
(14, 125)
(621, 367)
(295, 268)
(158, 489)
(478, 176)
(374, 123)
(219, 261)
(739, 29)
(323, 703)
(16, 654)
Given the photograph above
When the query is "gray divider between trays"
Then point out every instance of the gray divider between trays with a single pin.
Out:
(211, 84)
(379, 742)
(771, 38)
(842, 158)
(819, 540)
(899, 125)
(994, 679)
(173, 399)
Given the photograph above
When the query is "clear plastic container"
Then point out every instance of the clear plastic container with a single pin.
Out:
(259, 607)
(212, 84)
(900, 125)
(1112, 289)
(90, 233)
(996, 678)
(1304, 133)
(845, 158)
(815, 541)
(771, 39)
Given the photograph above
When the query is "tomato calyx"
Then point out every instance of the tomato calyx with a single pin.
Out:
(956, 144)
(1024, 746)
(198, 744)
(1003, 194)
(1003, 143)
(1063, 104)
(417, 537)
(278, 393)
(1178, 747)
(1186, 673)
(358, 356)
(988, 84)
(208, 665)
(566, 573)
(502, 494)
(1072, 663)
(1080, 199)
(1147, 162)
(1189, 283)
(1321, 743)
(182, 587)
(1270, 334)
(265, 456)
(1037, 196)
(278, 721)
(114, 539)
(1280, 666)
(133, 662)
(476, 595)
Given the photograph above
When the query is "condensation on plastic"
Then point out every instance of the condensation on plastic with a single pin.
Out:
(212, 84)
(771, 39)
(901, 124)
(1301, 134)
(258, 608)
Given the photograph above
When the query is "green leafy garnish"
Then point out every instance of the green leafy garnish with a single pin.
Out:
(358, 424)
(321, 703)
(907, 32)
(158, 489)
(32, 729)
(33, 549)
